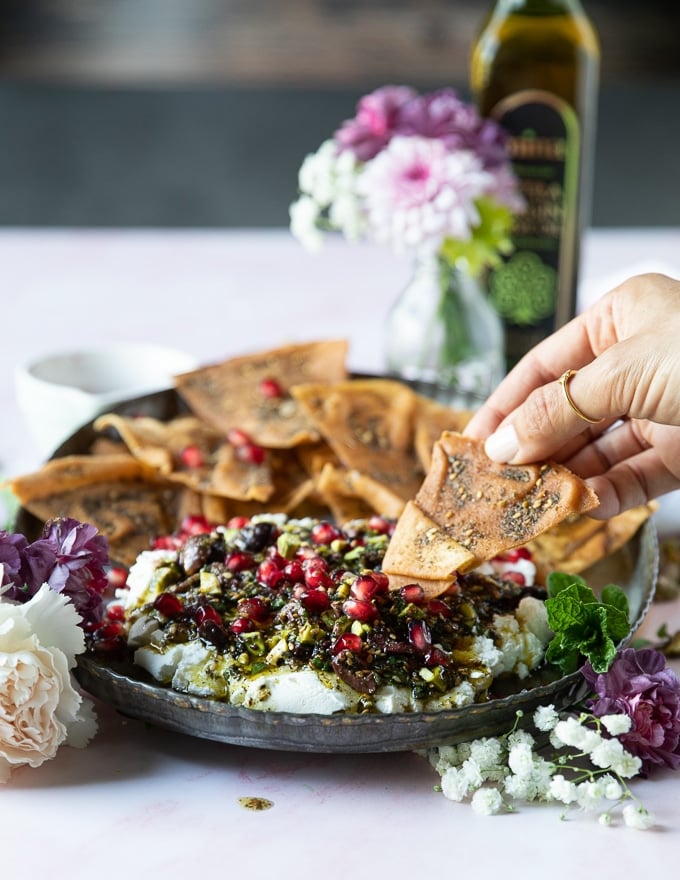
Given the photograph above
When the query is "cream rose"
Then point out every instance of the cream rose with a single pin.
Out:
(39, 707)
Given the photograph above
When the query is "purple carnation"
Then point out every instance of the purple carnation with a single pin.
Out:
(12, 547)
(444, 116)
(70, 557)
(640, 685)
(81, 554)
(376, 121)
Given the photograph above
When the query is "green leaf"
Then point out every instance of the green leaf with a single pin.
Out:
(584, 626)
(613, 595)
(559, 581)
(490, 238)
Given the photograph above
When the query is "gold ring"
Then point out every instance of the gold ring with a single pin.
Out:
(564, 382)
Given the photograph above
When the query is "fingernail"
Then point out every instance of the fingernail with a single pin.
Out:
(502, 446)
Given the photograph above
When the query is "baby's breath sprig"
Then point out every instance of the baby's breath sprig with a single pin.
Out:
(588, 768)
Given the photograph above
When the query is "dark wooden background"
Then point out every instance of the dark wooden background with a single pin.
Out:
(198, 112)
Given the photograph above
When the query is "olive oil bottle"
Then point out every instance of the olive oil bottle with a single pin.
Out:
(535, 69)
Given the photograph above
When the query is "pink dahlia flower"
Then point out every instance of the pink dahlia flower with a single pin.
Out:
(639, 684)
(375, 123)
(416, 193)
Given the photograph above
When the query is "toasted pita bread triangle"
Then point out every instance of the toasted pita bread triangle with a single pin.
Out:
(229, 394)
(368, 423)
(490, 507)
(481, 506)
(419, 548)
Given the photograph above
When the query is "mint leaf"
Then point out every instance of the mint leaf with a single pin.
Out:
(583, 626)
(613, 595)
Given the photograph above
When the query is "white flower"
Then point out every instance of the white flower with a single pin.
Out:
(472, 773)
(561, 789)
(521, 759)
(454, 785)
(545, 718)
(487, 801)
(605, 819)
(304, 214)
(346, 215)
(627, 765)
(486, 752)
(607, 754)
(316, 177)
(39, 707)
(520, 737)
(570, 732)
(589, 794)
(616, 724)
(613, 790)
(638, 817)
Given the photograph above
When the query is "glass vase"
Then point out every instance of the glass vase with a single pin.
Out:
(444, 335)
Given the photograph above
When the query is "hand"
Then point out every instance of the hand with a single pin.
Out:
(626, 348)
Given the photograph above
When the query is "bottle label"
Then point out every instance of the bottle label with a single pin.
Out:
(533, 289)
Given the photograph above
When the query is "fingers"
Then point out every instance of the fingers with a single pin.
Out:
(630, 483)
(546, 422)
(646, 305)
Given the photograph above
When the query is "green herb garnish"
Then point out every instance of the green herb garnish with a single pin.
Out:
(584, 625)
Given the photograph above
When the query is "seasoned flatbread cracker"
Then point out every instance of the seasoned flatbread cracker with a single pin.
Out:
(251, 392)
(419, 548)
(75, 472)
(431, 419)
(368, 423)
(574, 545)
(185, 450)
(483, 506)
(129, 513)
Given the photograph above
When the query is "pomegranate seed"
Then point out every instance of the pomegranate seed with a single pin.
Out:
(314, 561)
(168, 605)
(515, 576)
(436, 606)
(294, 572)
(365, 587)
(192, 457)
(269, 574)
(308, 553)
(357, 609)
(419, 635)
(315, 601)
(236, 437)
(195, 525)
(109, 631)
(381, 580)
(167, 542)
(240, 561)
(242, 625)
(250, 453)
(325, 533)
(238, 522)
(275, 556)
(380, 525)
(436, 657)
(517, 553)
(348, 642)
(412, 593)
(117, 577)
(206, 612)
(318, 577)
(270, 388)
(253, 608)
(115, 612)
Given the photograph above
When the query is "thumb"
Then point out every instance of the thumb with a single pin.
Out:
(629, 379)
